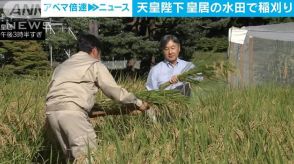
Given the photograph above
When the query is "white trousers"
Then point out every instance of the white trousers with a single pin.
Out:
(73, 130)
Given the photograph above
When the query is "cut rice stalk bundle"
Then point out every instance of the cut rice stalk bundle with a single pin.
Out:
(163, 97)
(161, 100)
(205, 71)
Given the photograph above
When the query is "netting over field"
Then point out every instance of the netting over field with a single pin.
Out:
(262, 54)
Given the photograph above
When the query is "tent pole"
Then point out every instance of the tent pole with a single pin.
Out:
(251, 60)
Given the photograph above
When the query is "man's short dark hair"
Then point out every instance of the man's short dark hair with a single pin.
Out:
(166, 38)
(87, 42)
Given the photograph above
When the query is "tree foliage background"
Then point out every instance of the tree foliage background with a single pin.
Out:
(125, 38)
(22, 58)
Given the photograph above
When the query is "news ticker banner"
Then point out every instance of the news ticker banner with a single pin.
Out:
(167, 8)
(147, 8)
(25, 28)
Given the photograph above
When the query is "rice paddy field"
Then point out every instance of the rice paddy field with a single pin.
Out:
(219, 125)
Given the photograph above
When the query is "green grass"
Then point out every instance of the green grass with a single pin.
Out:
(221, 125)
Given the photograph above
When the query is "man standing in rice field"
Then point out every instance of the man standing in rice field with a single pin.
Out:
(71, 96)
(167, 70)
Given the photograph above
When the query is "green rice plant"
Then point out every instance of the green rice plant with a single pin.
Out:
(219, 125)
(21, 120)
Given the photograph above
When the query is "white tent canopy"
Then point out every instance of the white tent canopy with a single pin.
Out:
(284, 32)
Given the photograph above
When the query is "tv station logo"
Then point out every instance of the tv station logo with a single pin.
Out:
(21, 21)
(22, 9)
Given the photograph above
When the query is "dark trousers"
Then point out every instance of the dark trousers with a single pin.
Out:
(185, 89)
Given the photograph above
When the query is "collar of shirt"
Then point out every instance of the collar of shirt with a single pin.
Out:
(82, 53)
(169, 64)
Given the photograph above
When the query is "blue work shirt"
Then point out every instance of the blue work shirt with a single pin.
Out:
(163, 71)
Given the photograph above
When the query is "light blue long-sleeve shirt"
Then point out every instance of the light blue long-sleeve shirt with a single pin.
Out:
(163, 71)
